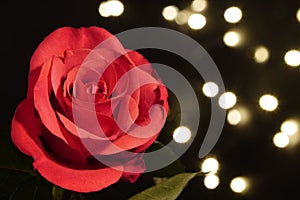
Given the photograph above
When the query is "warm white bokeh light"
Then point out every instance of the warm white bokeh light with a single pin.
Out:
(111, 8)
(292, 58)
(210, 165)
(234, 117)
(290, 127)
(210, 89)
(268, 102)
(182, 134)
(233, 14)
(182, 17)
(261, 54)
(227, 100)
(281, 140)
(211, 181)
(197, 21)
(198, 5)
(170, 12)
(298, 15)
(238, 184)
(231, 38)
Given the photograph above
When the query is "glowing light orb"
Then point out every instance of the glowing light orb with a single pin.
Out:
(281, 140)
(210, 165)
(196, 21)
(211, 181)
(268, 102)
(261, 54)
(170, 12)
(182, 134)
(227, 100)
(233, 14)
(238, 184)
(231, 38)
(292, 58)
(210, 89)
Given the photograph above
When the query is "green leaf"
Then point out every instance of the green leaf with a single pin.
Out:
(167, 190)
(174, 168)
(57, 192)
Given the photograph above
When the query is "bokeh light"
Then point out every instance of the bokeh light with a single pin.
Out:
(170, 12)
(298, 15)
(210, 165)
(231, 38)
(198, 5)
(111, 8)
(239, 184)
(234, 117)
(182, 134)
(227, 100)
(292, 58)
(268, 102)
(233, 14)
(197, 21)
(281, 140)
(290, 127)
(182, 17)
(261, 54)
(210, 89)
(211, 181)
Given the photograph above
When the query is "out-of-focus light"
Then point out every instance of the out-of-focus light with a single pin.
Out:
(290, 127)
(233, 14)
(234, 117)
(211, 181)
(196, 21)
(210, 89)
(238, 184)
(268, 102)
(231, 38)
(210, 165)
(227, 100)
(170, 12)
(281, 140)
(292, 58)
(261, 54)
(198, 5)
(182, 134)
(182, 17)
(111, 8)
(298, 15)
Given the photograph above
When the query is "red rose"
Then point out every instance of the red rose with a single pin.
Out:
(55, 124)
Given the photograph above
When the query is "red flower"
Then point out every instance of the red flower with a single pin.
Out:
(73, 83)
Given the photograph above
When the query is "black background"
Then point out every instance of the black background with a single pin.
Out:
(243, 150)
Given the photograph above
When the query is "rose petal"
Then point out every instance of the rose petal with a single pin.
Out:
(67, 38)
(25, 133)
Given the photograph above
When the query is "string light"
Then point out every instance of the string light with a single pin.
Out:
(211, 181)
(239, 184)
(182, 134)
(197, 21)
(281, 140)
(210, 89)
(261, 54)
(210, 165)
(198, 5)
(227, 100)
(170, 12)
(111, 8)
(290, 127)
(233, 14)
(231, 38)
(292, 58)
(268, 102)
